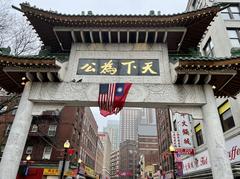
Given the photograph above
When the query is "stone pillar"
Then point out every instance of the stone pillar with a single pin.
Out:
(17, 137)
(220, 164)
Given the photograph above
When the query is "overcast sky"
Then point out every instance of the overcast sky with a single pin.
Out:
(107, 7)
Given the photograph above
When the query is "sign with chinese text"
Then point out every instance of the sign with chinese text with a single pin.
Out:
(51, 171)
(175, 139)
(201, 160)
(184, 128)
(113, 67)
(125, 173)
(184, 151)
(198, 162)
(56, 172)
(179, 166)
(90, 172)
(177, 157)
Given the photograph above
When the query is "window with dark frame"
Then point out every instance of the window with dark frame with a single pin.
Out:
(226, 117)
(47, 152)
(231, 13)
(234, 36)
(209, 48)
(199, 135)
(29, 150)
(52, 130)
(34, 128)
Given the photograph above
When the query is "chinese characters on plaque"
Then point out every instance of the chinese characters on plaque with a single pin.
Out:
(136, 67)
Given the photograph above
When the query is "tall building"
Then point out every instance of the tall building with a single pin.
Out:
(147, 122)
(104, 137)
(148, 116)
(134, 121)
(115, 161)
(148, 141)
(99, 159)
(89, 138)
(129, 159)
(129, 118)
(148, 148)
(113, 131)
(164, 140)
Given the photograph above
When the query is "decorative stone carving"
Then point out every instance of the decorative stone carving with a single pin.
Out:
(140, 95)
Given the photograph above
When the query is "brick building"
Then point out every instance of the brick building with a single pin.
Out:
(6, 119)
(46, 137)
(128, 159)
(148, 147)
(88, 143)
(164, 138)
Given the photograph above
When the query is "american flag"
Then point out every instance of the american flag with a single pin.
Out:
(106, 96)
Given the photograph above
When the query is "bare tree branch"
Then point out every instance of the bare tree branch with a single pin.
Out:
(16, 32)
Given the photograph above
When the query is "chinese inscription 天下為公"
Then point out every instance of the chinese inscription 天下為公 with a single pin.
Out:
(136, 67)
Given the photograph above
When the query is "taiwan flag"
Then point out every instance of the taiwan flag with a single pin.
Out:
(112, 97)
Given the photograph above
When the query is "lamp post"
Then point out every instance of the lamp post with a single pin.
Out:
(78, 171)
(66, 146)
(172, 150)
(28, 158)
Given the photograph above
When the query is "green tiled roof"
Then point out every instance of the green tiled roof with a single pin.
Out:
(31, 57)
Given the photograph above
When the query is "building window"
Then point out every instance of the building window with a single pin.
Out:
(208, 49)
(52, 130)
(226, 116)
(3, 109)
(234, 36)
(2, 148)
(34, 128)
(29, 150)
(47, 152)
(232, 12)
(8, 129)
(198, 132)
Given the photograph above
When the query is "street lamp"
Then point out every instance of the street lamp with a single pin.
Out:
(79, 164)
(28, 158)
(172, 150)
(66, 146)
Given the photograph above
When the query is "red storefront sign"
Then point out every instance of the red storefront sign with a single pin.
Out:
(185, 151)
(125, 173)
(179, 166)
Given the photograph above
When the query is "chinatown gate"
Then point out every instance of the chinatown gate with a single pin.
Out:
(93, 49)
